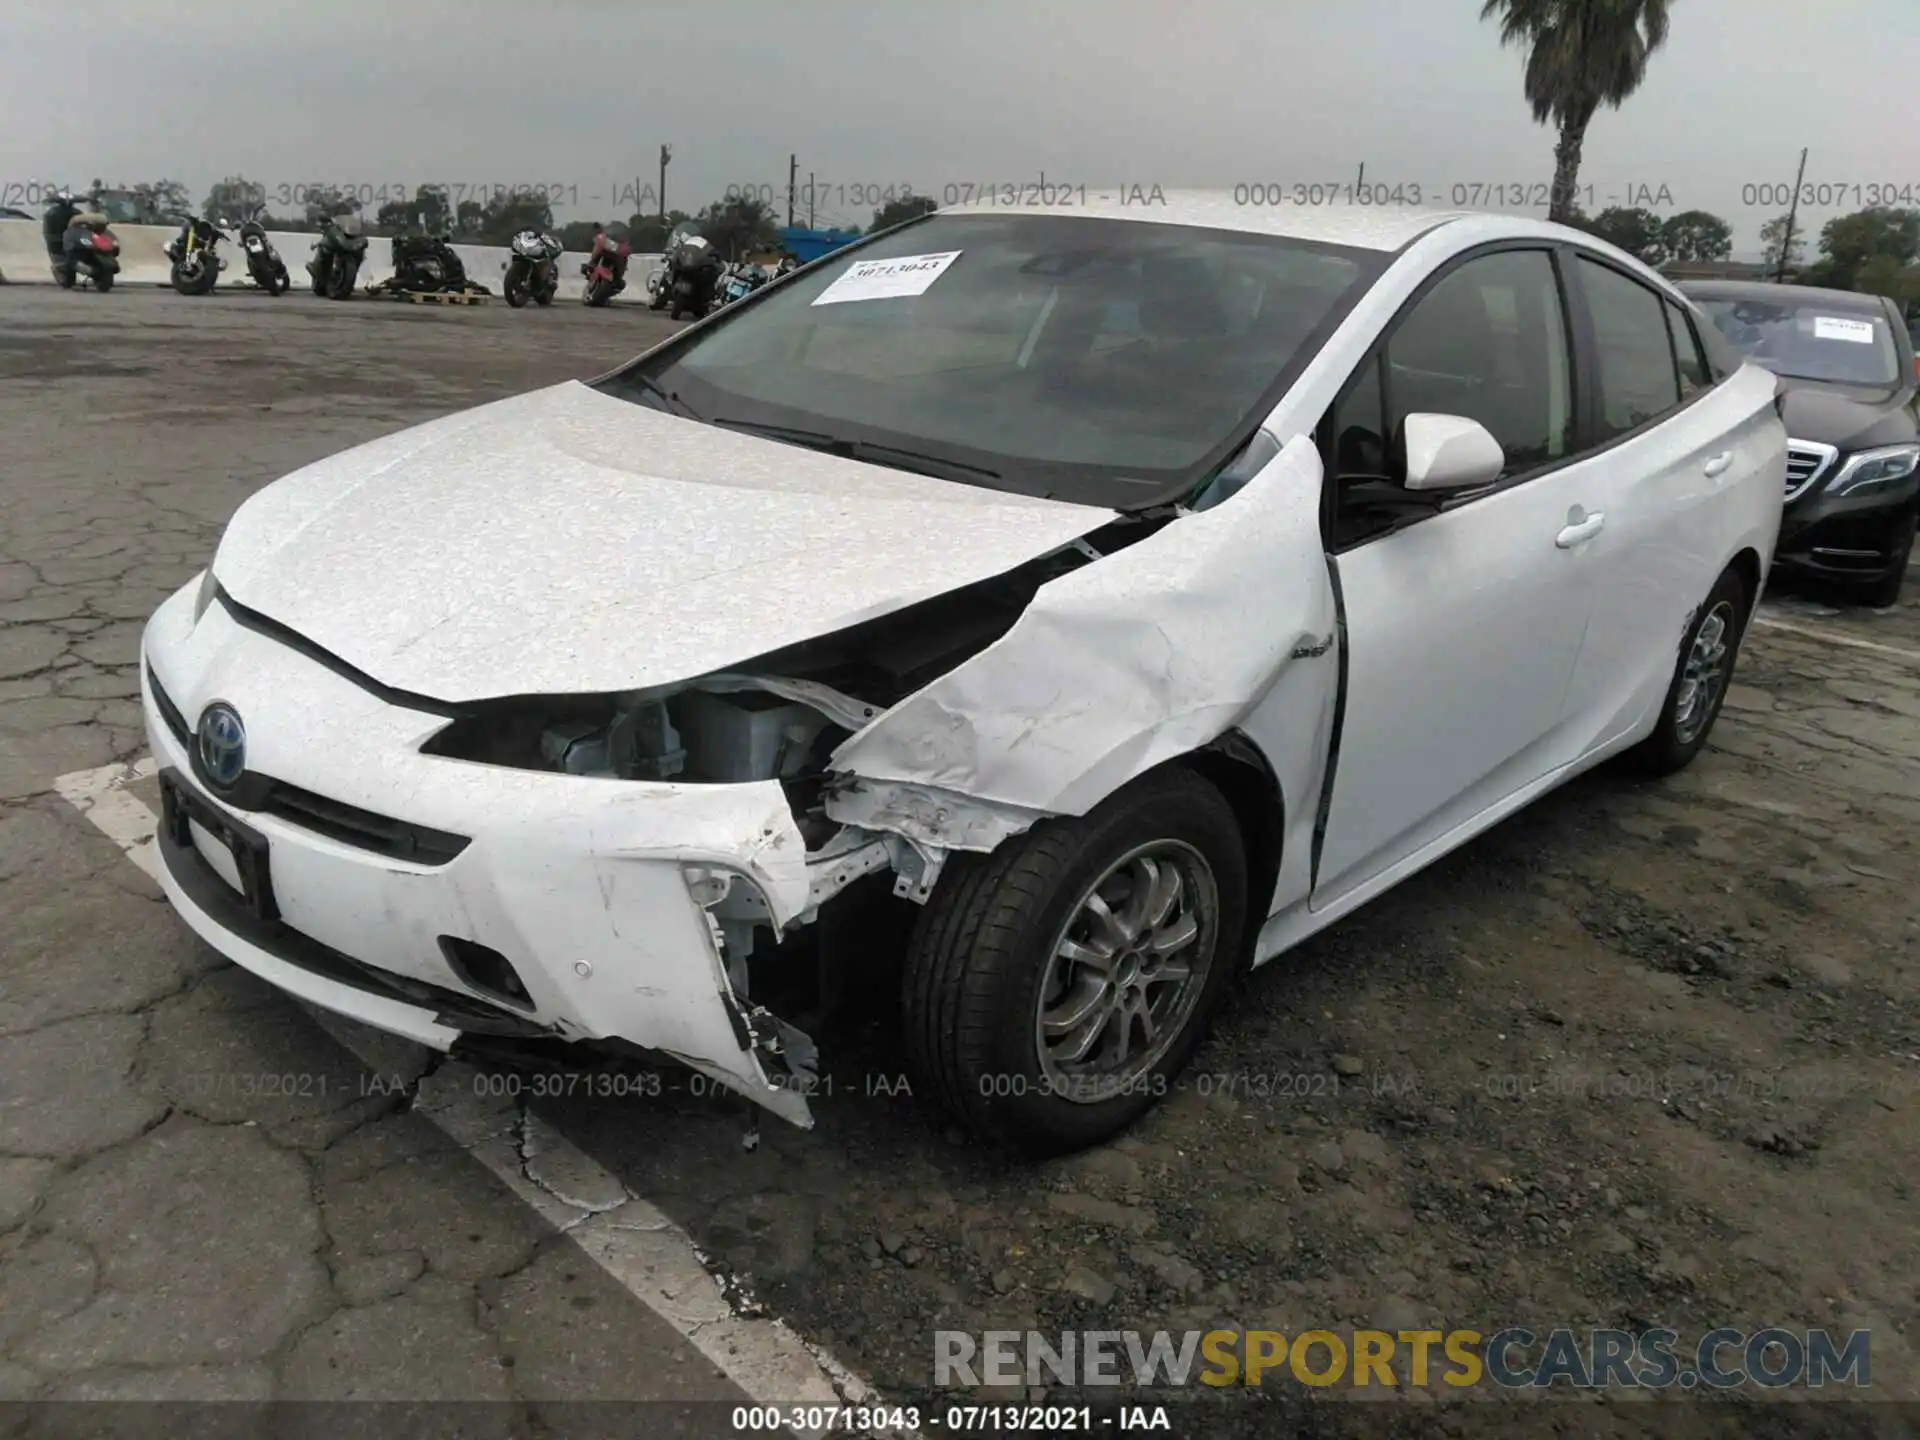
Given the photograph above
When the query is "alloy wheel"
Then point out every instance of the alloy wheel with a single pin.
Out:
(1126, 972)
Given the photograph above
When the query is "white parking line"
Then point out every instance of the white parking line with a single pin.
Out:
(1834, 637)
(631, 1239)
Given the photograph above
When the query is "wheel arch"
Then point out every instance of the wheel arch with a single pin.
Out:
(1235, 767)
(1746, 565)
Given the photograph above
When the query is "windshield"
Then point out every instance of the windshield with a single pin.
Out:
(1108, 362)
(1810, 339)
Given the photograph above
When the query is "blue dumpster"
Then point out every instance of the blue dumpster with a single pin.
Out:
(809, 245)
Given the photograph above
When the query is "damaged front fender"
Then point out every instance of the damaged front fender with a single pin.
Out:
(1112, 669)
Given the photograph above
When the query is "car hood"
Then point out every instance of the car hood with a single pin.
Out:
(1851, 417)
(565, 541)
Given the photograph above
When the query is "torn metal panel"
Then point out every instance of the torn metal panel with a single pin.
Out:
(931, 817)
(1112, 669)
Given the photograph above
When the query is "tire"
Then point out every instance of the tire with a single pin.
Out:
(63, 276)
(1885, 593)
(340, 283)
(199, 283)
(102, 279)
(514, 286)
(320, 280)
(982, 960)
(1683, 728)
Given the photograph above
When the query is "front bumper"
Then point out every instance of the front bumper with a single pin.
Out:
(1855, 538)
(581, 884)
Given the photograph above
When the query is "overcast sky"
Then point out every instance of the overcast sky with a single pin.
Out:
(872, 93)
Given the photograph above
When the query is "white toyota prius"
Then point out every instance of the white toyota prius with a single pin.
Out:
(1118, 594)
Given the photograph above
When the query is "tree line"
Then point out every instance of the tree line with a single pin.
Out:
(738, 228)
(1873, 250)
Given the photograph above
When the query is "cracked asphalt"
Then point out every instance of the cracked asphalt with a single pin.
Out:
(203, 1195)
(1644, 1054)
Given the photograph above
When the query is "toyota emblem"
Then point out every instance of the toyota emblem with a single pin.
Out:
(222, 742)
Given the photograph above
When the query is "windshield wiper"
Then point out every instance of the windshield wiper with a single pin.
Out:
(939, 467)
(812, 439)
(654, 387)
(915, 462)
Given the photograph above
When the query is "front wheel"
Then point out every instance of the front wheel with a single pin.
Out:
(102, 279)
(196, 282)
(514, 286)
(340, 283)
(1700, 680)
(1055, 987)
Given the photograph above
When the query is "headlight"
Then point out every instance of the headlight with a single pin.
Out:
(1875, 467)
(208, 585)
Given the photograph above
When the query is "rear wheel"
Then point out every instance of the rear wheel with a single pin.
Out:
(1055, 987)
(1700, 680)
(1884, 593)
(102, 279)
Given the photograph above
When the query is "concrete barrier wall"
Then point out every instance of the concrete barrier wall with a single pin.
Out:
(143, 260)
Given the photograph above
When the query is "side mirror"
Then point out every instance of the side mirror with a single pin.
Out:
(1448, 452)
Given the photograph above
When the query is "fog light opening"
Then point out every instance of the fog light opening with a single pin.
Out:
(482, 968)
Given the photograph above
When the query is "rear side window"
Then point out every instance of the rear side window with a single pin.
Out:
(1638, 380)
(1686, 350)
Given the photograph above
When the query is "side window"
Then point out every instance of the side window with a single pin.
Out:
(1489, 343)
(1638, 379)
(1686, 350)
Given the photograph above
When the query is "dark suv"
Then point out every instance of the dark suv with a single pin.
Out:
(1852, 407)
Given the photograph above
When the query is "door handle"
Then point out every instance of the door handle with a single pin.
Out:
(1717, 466)
(1579, 531)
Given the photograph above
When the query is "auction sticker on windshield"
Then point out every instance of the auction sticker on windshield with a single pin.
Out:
(884, 279)
(1827, 327)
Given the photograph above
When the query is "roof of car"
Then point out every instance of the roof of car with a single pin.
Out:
(1364, 227)
(1784, 294)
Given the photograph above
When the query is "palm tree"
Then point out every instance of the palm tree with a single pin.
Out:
(1581, 54)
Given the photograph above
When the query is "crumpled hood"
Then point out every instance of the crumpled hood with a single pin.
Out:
(567, 541)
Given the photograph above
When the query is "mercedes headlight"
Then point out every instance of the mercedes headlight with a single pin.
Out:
(208, 588)
(1875, 467)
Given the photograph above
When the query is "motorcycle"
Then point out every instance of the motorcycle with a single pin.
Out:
(337, 256)
(264, 264)
(534, 271)
(426, 263)
(79, 244)
(606, 267)
(196, 265)
(689, 276)
(737, 282)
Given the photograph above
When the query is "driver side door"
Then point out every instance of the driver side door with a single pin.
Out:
(1463, 616)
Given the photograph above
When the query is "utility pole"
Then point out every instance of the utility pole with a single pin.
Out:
(666, 154)
(793, 176)
(1793, 210)
(809, 199)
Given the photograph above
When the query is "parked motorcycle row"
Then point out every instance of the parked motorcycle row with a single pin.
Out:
(692, 281)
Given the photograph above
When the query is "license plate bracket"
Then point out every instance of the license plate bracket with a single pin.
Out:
(181, 807)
